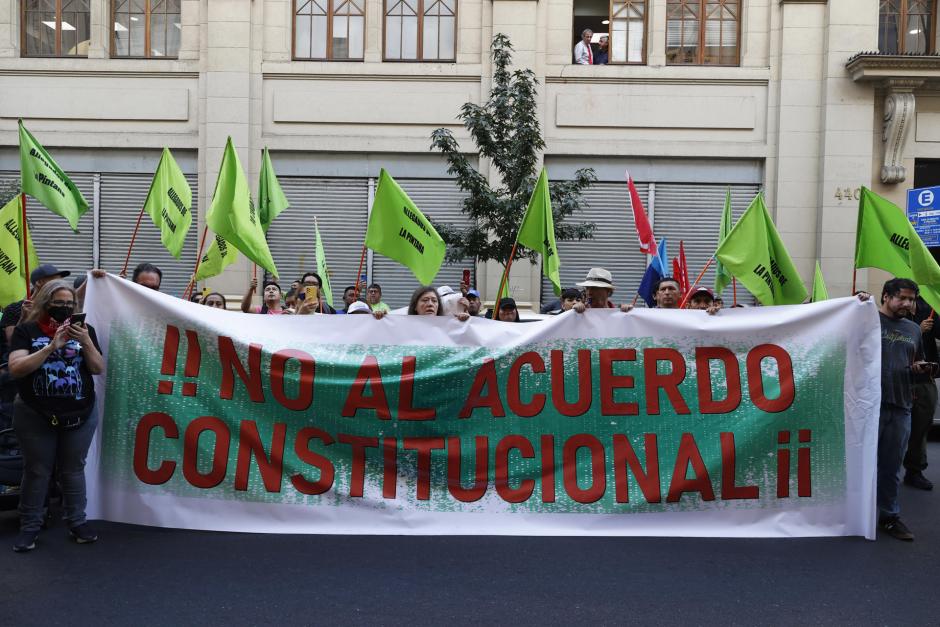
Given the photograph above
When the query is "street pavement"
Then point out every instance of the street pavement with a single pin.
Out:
(146, 576)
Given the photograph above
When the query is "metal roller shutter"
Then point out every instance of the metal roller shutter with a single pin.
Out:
(54, 241)
(440, 200)
(692, 213)
(614, 246)
(341, 209)
(122, 197)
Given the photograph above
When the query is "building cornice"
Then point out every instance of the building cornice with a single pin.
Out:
(648, 80)
(96, 73)
(868, 67)
(411, 78)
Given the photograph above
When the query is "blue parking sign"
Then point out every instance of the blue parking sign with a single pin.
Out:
(923, 210)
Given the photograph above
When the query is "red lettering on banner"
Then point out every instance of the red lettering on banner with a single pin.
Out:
(598, 468)
(548, 469)
(406, 408)
(455, 472)
(755, 380)
(368, 377)
(516, 406)
(729, 490)
(668, 382)
(706, 400)
(357, 474)
(585, 394)
(611, 382)
(689, 454)
(647, 480)
(219, 456)
(508, 493)
(389, 468)
(145, 428)
(423, 446)
(231, 365)
(484, 380)
(305, 384)
(302, 449)
(249, 445)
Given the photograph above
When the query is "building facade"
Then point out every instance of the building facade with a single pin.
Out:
(807, 100)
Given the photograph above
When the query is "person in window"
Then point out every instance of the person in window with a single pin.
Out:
(602, 58)
(270, 296)
(53, 361)
(583, 55)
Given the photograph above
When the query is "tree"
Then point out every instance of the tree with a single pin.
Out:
(506, 131)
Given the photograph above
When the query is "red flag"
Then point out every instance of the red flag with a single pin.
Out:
(643, 229)
(680, 269)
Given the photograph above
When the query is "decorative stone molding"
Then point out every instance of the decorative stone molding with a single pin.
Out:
(898, 118)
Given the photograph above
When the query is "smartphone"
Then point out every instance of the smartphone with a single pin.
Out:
(311, 292)
(466, 278)
(78, 318)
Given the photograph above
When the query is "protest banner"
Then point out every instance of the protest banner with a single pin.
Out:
(653, 422)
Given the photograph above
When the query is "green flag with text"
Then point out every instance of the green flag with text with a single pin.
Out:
(538, 231)
(398, 230)
(885, 239)
(169, 203)
(45, 181)
(232, 214)
(220, 255)
(820, 293)
(754, 254)
(12, 269)
(271, 199)
(722, 276)
(322, 268)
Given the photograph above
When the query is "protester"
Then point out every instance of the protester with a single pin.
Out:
(425, 301)
(148, 275)
(569, 297)
(602, 58)
(666, 293)
(350, 296)
(317, 305)
(719, 303)
(196, 298)
(270, 297)
(901, 357)
(215, 300)
(598, 287)
(704, 300)
(374, 298)
(358, 307)
(473, 303)
(925, 402)
(583, 55)
(290, 299)
(20, 309)
(507, 310)
(54, 361)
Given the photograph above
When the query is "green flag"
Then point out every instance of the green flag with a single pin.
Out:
(538, 230)
(45, 181)
(399, 230)
(232, 214)
(169, 203)
(885, 239)
(755, 255)
(271, 200)
(322, 269)
(820, 293)
(217, 258)
(722, 276)
(12, 270)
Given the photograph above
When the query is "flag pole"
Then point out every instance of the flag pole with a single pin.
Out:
(505, 277)
(192, 281)
(734, 292)
(685, 298)
(854, 271)
(25, 237)
(131, 246)
(635, 298)
(362, 260)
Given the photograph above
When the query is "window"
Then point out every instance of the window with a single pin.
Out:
(702, 32)
(55, 28)
(618, 27)
(145, 28)
(329, 29)
(907, 26)
(420, 30)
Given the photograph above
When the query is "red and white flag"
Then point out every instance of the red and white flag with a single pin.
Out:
(680, 269)
(643, 229)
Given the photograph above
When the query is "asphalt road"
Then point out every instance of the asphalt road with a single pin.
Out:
(146, 576)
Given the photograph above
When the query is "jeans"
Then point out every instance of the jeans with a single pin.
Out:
(925, 403)
(46, 447)
(894, 429)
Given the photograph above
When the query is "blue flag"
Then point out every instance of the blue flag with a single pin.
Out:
(654, 272)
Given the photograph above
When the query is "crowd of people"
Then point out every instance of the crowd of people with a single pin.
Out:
(47, 388)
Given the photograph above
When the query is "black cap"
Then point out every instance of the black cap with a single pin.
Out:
(571, 293)
(45, 271)
(506, 303)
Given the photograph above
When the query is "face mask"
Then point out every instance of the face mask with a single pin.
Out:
(60, 314)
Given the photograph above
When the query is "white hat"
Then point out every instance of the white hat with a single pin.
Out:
(598, 277)
(445, 290)
(358, 307)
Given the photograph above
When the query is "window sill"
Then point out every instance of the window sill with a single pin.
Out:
(372, 70)
(84, 66)
(668, 74)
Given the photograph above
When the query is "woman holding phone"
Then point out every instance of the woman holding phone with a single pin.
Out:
(53, 355)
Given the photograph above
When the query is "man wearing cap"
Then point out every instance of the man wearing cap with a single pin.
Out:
(12, 312)
(473, 302)
(703, 299)
(569, 298)
(507, 310)
(598, 288)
